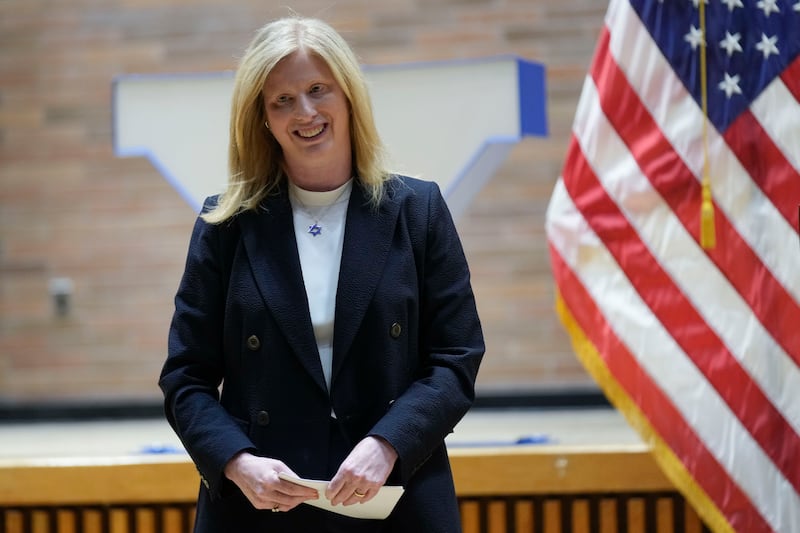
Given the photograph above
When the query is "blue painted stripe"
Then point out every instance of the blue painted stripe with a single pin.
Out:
(532, 98)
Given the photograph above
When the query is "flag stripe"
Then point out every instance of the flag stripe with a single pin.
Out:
(715, 299)
(682, 191)
(791, 78)
(692, 334)
(765, 163)
(655, 404)
(777, 109)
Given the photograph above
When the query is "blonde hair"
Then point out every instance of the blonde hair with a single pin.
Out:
(254, 157)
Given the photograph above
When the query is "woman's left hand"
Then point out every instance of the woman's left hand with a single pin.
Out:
(362, 473)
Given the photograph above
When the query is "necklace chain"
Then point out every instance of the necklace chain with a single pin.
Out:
(316, 228)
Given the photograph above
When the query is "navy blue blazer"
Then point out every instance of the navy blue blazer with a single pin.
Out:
(243, 370)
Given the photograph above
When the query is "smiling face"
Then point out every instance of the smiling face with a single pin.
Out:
(309, 116)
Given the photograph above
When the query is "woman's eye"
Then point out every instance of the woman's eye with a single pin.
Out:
(317, 88)
(282, 100)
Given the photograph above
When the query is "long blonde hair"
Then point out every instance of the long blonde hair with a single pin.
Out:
(255, 159)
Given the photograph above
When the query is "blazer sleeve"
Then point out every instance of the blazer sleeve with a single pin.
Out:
(451, 346)
(194, 368)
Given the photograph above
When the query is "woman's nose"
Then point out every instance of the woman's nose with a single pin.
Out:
(305, 107)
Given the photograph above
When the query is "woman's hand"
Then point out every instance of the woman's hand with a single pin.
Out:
(362, 473)
(257, 478)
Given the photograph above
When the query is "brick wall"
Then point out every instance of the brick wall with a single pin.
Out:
(70, 208)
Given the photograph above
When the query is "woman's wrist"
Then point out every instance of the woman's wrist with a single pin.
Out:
(234, 465)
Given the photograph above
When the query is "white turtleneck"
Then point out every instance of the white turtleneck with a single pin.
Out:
(320, 257)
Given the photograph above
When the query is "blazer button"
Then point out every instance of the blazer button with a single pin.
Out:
(395, 330)
(262, 418)
(253, 343)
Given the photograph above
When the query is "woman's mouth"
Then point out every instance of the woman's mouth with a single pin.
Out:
(311, 133)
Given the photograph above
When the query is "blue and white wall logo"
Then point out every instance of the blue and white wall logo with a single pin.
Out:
(451, 122)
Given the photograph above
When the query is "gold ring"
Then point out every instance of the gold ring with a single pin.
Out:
(359, 494)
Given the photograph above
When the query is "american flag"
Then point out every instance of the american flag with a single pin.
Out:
(699, 348)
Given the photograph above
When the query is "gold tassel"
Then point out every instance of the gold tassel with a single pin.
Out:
(708, 234)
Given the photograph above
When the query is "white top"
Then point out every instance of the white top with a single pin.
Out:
(319, 219)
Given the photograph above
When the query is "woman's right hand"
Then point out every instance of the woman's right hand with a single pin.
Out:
(257, 478)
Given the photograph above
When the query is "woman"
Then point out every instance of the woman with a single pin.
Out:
(325, 326)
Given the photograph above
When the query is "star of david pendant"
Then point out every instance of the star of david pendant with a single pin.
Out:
(315, 229)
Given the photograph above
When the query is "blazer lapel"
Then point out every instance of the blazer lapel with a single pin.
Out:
(367, 240)
(272, 251)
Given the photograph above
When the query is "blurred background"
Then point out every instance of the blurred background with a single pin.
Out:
(92, 245)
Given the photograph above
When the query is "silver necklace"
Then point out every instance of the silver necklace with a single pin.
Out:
(316, 228)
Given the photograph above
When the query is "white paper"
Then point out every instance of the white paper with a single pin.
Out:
(378, 507)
